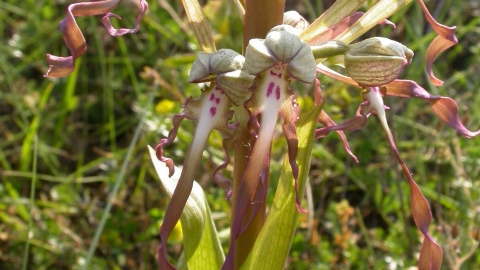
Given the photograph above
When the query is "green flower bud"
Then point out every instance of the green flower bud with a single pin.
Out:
(376, 61)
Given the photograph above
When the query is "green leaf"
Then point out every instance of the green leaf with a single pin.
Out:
(201, 246)
(273, 244)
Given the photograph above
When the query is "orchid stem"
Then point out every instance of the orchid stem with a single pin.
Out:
(257, 23)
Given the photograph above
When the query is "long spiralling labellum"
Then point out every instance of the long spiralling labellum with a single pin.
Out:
(63, 66)
(210, 111)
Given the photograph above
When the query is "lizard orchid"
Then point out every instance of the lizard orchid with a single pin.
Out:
(279, 50)
(210, 111)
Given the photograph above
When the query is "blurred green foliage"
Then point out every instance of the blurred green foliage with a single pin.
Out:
(83, 125)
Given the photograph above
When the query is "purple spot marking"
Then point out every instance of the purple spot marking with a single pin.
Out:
(213, 111)
(270, 89)
(279, 75)
(277, 92)
(212, 97)
(217, 101)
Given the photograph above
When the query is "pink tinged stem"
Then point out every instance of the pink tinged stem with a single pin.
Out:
(431, 253)
(446, 38)
(73, 37)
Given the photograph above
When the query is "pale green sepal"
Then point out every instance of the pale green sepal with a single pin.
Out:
(200, 68)
(273, 244)
(201, 246)
(208, 65)
(303, 67)
(235, 84)
(379, 12)
(335, 14)
(257, 57)
(329, 49)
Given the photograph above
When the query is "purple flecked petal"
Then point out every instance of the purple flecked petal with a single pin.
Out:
(446, 38)
(444, 107)
(210, 111)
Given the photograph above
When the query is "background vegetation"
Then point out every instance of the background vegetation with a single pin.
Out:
(63, 144)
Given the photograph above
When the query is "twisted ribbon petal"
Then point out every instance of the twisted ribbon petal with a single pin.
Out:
(73, 37)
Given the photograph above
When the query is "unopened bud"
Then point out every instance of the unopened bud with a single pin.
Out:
(296, 20)
(376, 61)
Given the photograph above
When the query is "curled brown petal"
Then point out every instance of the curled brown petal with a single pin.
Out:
(325, 120)
(351, 124)
(444, 107)
(431, 253)
(123, 31)
(290, 113)
(228, 144)
(177, 119)
(73, 37)
(446, 38)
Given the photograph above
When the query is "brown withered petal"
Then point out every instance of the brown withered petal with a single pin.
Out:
(431, 253)
(123, 31)
(63, 66)
(446, 38)
(353, 124)
(290, 112)
(326, 121)
(444, 107)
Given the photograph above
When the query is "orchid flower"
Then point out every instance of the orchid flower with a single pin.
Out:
(374, 65)
(257, 87)
(274, 61)
(210, 111)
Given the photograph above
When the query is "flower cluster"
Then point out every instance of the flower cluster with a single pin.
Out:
(258, 87)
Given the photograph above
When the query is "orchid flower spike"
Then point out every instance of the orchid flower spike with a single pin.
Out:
(275, 61)
(210, 111)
